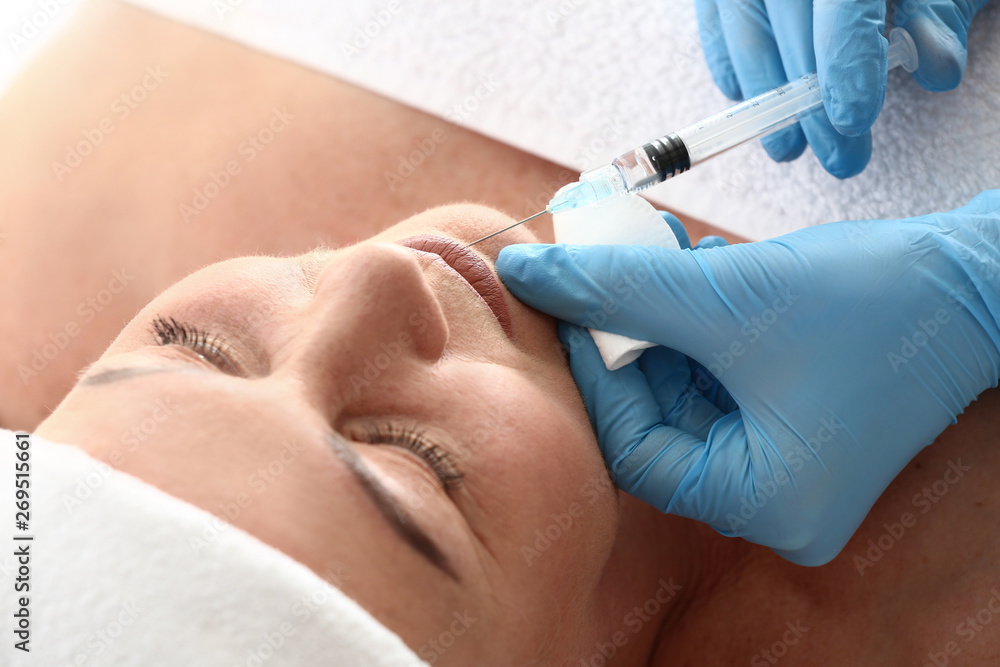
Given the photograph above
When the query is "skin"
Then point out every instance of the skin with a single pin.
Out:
(506, 411)
(509, 416)
(121, 205)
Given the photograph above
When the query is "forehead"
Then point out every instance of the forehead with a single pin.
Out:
(260, 272)
(247, 284)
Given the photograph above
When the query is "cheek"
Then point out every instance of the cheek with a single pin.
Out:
(551, 488)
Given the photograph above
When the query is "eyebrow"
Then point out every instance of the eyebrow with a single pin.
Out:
(129, 372)
(125, 373)
(394, 513)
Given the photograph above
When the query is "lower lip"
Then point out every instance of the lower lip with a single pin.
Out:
(471, 267)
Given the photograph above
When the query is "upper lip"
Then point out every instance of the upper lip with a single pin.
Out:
(470, 267)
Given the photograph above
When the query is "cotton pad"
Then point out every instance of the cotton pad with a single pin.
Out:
(623, 220)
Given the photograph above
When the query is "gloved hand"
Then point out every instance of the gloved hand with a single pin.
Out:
(842, 350)
(754, 45)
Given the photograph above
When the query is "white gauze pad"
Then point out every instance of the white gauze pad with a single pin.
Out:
(622, 220)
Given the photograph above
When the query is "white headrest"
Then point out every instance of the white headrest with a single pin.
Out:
(120, 573)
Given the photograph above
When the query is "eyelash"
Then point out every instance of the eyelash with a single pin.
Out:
(217, 352)
(435, 456)
(210, 347)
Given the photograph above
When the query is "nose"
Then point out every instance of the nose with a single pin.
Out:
(371, 318)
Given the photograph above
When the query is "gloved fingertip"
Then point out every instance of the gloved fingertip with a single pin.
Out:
(578, 349)
(848, 159)
(853, 112)
(941, 52)
(711, 242)
(847, 168)
(854, 65)
(785, 145)
(725, 78)
(518, 252)
(843, 157)
(934, 80)
(516, 262)
(943, 71)
(572, 335)
(581, 354)
(677, 227)
(810, 555)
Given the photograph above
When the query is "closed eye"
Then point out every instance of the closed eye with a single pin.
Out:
(211, 347)
(435, 456)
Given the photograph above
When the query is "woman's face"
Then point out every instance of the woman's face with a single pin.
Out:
(370, 414)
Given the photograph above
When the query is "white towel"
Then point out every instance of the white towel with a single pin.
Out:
(116, 579)
(578, 82)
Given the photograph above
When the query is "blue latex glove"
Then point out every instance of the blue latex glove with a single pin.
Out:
(842, 350)
(754, 45)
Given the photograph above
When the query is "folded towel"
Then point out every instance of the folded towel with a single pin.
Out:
(123, 574)
(579, 82)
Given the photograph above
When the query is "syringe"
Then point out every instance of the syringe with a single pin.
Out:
(678, 151)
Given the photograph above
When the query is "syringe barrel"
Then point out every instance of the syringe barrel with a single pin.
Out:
(756, 117)
(761, 115)
(678, 151)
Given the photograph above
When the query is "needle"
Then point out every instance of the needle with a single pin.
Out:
(506, 228)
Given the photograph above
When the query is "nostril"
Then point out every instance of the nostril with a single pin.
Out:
(469, 267)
